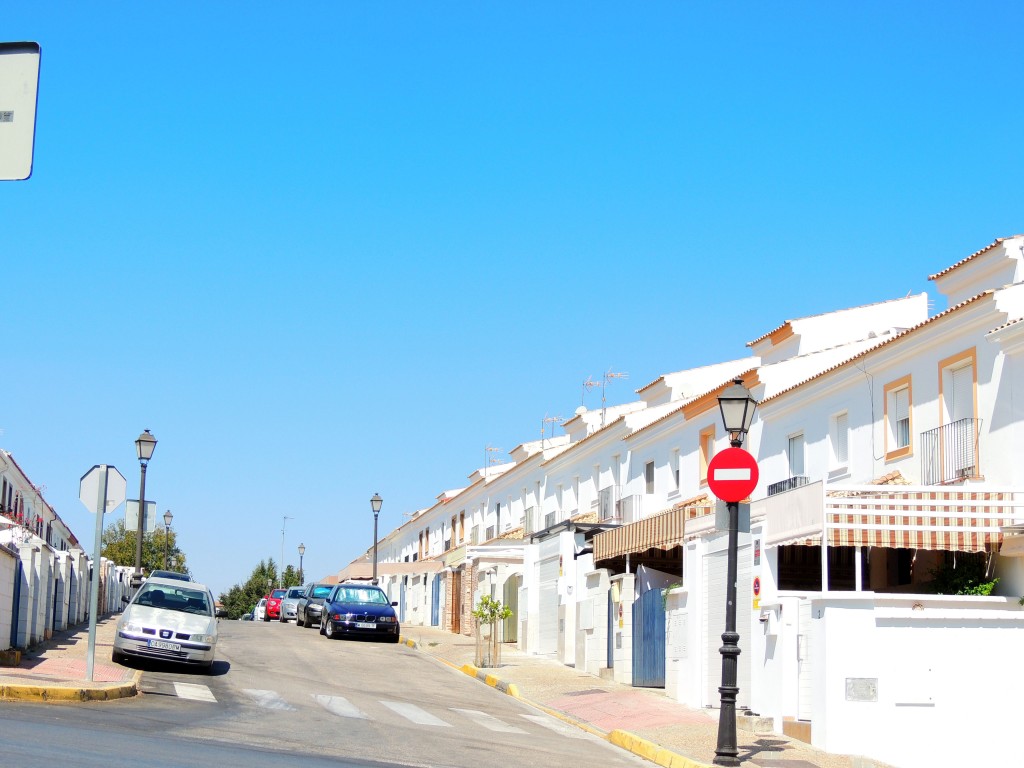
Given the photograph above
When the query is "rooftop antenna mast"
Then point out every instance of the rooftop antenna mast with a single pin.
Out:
(588, 385)
(543, 427)
(488, 459)
(280, 566)
(608, 375)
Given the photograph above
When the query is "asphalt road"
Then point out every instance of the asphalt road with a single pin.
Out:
(283, 695)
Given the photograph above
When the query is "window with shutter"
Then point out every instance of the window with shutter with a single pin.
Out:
(840, 440)
(796, 455)
(899, 405)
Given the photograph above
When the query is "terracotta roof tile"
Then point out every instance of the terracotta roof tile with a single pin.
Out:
(881, 344)
(960, 263)
(584, 517)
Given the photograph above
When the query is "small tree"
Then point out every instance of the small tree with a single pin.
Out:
(489, 612)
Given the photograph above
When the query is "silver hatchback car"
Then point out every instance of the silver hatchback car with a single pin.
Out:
(289, 602)
(170, 620)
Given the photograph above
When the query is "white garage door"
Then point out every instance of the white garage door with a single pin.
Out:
(548, 581)
(715, 571)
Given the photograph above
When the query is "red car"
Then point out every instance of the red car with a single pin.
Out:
(274, 604)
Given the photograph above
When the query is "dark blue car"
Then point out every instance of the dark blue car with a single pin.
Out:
(356, 609)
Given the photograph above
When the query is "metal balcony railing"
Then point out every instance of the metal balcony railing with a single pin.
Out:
(950, 453)
(787, 485)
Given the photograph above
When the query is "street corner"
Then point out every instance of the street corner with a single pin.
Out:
(650, 751)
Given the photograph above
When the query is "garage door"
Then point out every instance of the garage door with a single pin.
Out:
(548, 581)
(715, 572)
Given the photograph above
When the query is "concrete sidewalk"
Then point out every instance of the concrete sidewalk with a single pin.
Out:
(56, 669)
(642, 720)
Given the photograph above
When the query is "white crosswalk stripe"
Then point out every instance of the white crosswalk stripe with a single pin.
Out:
(414, 714)
(556, 725)
(489, 722)
(268, 699)
(339, 705)
(194, 691)
(342, 707)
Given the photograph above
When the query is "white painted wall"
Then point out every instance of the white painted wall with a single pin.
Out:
(592, 619)
(942, 665)
(8, 567)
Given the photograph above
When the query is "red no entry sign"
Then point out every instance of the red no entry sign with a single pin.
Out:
(732, 474)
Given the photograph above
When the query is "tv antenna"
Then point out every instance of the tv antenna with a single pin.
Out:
(605, 378)
(544, 424)
(280, 567)
(489, 459)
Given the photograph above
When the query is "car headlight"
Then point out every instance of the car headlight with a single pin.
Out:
(208, 639)
(132, 628)
(387, 619)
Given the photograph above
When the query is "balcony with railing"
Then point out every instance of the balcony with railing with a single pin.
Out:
(787, 485)
(949, 454)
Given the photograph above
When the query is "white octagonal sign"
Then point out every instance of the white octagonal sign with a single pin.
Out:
(91, 488)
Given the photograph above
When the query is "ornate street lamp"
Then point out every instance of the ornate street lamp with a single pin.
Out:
(375, 505)
(167, 533)
(144, 447)
(737, 406)
(302, 551)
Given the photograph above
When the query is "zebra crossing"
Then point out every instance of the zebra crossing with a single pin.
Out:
(344, 708)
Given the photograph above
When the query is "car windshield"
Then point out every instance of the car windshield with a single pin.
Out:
(279, 593)
(174, 599)
(322, 591)
(361, 595)
(295, 592)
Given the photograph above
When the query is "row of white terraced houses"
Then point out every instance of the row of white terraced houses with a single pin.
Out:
(44, 571)
(891, 470)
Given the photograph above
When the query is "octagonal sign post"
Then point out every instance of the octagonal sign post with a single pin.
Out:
(732, 474)
(102, 489)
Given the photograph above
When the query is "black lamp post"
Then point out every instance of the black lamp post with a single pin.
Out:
(144, 447)
(167, 533)
(375, 504)
(737, 405)
(302, 551)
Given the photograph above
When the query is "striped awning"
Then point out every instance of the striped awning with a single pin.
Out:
(661, 531)
(958, 521)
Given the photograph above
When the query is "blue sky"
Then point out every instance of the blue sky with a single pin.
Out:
(324, 250)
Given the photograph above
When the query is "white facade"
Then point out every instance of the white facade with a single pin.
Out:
(887, 440)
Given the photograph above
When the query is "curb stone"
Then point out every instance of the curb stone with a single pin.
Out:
(623, 739)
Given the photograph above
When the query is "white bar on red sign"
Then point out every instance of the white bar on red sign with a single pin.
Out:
(738, 473)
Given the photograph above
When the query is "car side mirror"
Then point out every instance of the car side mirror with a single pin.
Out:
(394, 603)
(125, 599)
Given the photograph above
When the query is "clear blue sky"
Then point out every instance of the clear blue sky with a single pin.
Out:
(328, 249)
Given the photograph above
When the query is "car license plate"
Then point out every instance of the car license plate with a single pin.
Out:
(365, 625)
(164, 646)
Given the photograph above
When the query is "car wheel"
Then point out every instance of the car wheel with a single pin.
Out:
(298, 618)
(322, 626)
(330, 631)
